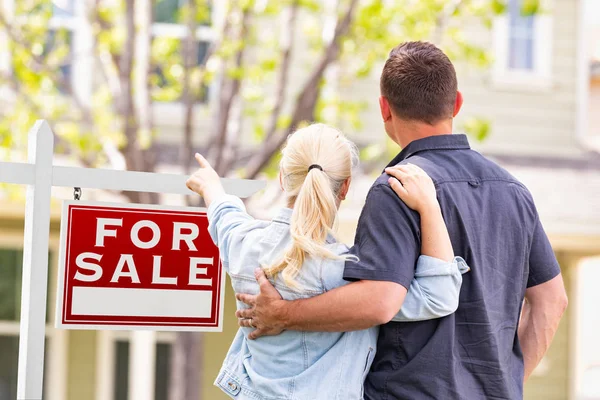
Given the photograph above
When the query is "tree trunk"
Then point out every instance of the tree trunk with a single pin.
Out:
(136, 158)
(229, 90)
(186, 364)
(186, 367)
(287, 46)
(190, 56)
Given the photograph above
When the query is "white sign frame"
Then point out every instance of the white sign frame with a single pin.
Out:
(40, 175)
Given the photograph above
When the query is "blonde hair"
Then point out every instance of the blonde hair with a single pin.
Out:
(315, 163)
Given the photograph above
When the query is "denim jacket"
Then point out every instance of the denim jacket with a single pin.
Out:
(308, 365)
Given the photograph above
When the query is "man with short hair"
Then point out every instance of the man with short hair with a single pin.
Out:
(510, 303)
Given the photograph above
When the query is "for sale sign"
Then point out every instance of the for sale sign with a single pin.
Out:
(138, 267)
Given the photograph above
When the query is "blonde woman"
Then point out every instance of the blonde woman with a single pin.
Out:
(299, 253)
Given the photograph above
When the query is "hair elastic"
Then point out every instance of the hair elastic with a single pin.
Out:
(315, 166)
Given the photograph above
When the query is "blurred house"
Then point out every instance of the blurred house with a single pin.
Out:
(542, 97)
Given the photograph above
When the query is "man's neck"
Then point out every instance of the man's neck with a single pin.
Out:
(406, 133)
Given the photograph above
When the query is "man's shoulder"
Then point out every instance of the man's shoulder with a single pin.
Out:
(383, 202)
(490, 170)
(382, 191)
(380, 183)
(462, 165)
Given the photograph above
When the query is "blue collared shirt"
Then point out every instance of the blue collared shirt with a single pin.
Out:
(493, 223)
(308, 365)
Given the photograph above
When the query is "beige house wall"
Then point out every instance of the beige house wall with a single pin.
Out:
(81, 365)
(594, 112)
(216, 346)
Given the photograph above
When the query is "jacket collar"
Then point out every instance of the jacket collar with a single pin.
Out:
(284, 215)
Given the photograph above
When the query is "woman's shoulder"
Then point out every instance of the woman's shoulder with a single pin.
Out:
(335, 246)
(332, 269)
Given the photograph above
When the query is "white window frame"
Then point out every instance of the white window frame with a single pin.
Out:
(72, 25)
(538, 78)
(172, 112)
(56, 363)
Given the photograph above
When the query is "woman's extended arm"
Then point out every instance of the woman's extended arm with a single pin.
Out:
(226, 213)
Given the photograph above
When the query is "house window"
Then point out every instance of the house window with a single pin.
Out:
(59, 39)
(521, 37)
(169, 33)
(169, 11)
(161, 370)
(522, 48)
(63, 8)
(11, 264)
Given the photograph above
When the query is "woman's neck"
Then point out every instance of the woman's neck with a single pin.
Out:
(290, 201)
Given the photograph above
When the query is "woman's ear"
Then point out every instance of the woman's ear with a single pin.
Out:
(281, 181)
(344, 189)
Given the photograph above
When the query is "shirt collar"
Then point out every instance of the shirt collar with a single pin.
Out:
(438, 142)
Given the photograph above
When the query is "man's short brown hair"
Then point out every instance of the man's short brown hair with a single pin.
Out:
(419, 82)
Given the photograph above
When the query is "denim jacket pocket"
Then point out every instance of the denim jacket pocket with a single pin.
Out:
(368, 361)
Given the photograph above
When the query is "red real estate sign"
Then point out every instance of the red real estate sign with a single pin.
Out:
(138, 267)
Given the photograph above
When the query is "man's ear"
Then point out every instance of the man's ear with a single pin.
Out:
(384, 106)
(458, 103)
(344, 189)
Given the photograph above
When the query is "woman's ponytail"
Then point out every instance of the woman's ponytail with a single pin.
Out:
(322, 160)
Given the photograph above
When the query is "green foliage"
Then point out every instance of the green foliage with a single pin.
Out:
(531, 7)
(41, 59)
(479, 128)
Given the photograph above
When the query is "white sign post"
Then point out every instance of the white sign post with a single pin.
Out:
(41, 175)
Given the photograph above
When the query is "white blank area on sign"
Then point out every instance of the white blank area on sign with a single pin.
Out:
(141, 302)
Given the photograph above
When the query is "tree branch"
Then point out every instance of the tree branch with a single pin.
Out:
(286, 57)
(109, 63)
(230, 88)
(141, 76)
(126, 106)
(443, 19)
(307, 100)
(189, 59)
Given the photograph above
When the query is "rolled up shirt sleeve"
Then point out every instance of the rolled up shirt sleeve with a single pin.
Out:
(387, 242)
(435, 290)
(543, 265)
